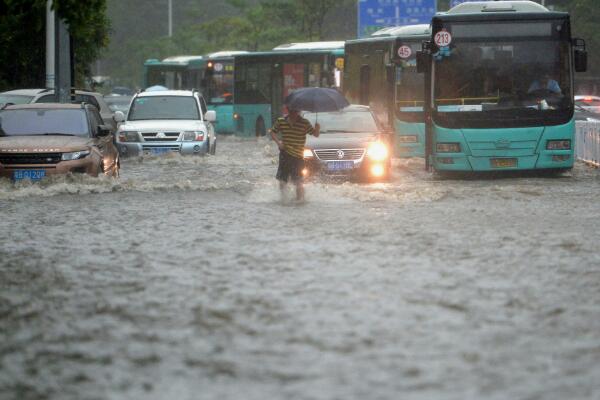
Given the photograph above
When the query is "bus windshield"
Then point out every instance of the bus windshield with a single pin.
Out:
(220, 83)
(524, 75)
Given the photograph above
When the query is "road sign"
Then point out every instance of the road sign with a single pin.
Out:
(376, 14)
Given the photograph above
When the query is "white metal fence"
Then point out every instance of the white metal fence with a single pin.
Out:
(587, 142)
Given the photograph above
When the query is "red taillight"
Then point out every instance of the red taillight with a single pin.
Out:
(200, 137)
(588, 99)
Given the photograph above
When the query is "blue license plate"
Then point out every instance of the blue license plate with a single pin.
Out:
(340, 165)
(33, 174)
(160, 150)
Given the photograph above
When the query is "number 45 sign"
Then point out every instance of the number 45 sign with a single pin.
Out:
(443, 38)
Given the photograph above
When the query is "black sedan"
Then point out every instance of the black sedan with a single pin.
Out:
(352, 144)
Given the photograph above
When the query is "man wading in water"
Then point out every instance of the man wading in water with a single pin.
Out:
(293, 130)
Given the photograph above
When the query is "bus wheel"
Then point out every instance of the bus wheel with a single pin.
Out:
(260, 127)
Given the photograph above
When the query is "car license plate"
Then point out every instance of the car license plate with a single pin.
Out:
(160, 150)
(504, 162)
(33, 174)
(340, 165)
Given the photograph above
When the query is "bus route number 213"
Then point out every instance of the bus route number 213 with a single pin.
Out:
(443, 38)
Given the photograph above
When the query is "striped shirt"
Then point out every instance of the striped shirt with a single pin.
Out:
(293, 135)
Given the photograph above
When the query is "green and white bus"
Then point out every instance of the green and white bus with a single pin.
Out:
(499, 87)
(175, 73)
(264, 79)
(381, 72)
(211, 74)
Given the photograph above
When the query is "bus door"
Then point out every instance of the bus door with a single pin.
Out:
(293, 78)
(276, 91)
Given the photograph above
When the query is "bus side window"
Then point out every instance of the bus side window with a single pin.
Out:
(365, 85)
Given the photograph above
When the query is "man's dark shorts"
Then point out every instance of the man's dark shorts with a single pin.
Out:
(290, 168)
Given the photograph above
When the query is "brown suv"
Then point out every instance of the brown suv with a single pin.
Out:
(37, 140)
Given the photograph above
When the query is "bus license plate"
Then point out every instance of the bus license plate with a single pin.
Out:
(504, 162)
(33, 174)
(340, 165)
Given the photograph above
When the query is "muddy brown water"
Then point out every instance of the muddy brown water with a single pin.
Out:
(189, 279)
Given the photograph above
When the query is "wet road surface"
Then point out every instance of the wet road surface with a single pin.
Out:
(189, 279)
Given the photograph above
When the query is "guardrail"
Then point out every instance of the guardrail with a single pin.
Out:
(587, 142)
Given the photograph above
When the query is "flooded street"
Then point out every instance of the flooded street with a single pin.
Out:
(189, 279)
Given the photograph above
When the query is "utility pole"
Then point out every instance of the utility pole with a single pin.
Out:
(62, 61)
(170, 18)
(50, 20)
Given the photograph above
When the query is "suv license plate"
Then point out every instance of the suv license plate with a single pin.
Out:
(504, 162)
(33, 174)
(160, 150)
(340, 165)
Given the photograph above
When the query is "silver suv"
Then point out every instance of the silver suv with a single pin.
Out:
(167, 121)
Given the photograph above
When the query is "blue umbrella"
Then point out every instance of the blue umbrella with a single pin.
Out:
(315, 99)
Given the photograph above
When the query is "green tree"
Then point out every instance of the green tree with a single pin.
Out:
(23, 38)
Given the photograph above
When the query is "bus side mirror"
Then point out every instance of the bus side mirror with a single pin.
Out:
(579, 55)
(580, 60)
(423, 61)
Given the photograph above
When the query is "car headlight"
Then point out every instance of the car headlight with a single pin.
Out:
(308, 153)
(191, 136)
(76, 155)
(448, 147)
(558, 145)
(129, 136)
(377, 151)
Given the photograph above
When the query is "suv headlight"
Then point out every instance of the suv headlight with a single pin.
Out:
(129, 136)
(196, 136)
(308, 153)
(76, 155)
(377, 151)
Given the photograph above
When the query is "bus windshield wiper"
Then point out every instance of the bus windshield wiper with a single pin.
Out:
(57, 134)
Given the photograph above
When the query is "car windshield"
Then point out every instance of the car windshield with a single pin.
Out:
(164, 107)
(43, 122)
(344, 121)
(15, 99)
(118, 103)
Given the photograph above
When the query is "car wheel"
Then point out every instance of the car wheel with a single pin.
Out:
(260, 127)
(213, 149)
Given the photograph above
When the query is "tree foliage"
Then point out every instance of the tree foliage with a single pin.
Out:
(23, 38)
(243, 25)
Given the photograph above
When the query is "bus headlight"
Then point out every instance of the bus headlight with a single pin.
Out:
(407, 139)
(308, 153)
(448, 147)
(558, 145)
(377, 151)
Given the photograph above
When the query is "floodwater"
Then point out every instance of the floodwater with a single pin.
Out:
(188, 278)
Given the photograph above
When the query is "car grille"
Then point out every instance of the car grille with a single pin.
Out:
(172, 147)
(30, 158)
(168, 136)
(334, 155)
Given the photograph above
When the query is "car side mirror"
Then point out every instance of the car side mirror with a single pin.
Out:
(103, 131)
(423, 60)
(119, 116)
(580, 60)
(211, 116)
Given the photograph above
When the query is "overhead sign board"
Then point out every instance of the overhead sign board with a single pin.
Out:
(374, 15)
